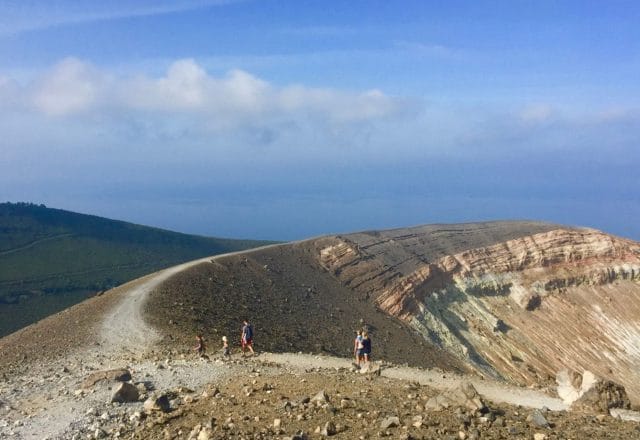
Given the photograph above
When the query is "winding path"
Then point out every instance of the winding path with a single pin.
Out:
(124, 328)
(123, 332)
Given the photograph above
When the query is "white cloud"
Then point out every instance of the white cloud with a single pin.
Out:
(70, 87)
(73, 87)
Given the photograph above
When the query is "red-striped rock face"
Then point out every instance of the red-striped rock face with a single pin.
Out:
(516, 304)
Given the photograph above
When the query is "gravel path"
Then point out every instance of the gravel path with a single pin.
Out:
(124, 329)
(492, 390)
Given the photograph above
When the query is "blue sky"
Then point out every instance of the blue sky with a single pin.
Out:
(284, 120)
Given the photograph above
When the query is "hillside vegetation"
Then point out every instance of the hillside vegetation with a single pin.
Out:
(50, 258)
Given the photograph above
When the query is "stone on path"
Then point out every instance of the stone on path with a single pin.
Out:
(125, 393)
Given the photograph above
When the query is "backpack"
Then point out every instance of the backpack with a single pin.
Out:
(248, 332)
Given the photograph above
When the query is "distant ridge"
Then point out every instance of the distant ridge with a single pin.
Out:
(51, 258)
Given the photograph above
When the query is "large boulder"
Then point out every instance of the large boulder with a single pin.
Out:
(588, 393)
(602, 396)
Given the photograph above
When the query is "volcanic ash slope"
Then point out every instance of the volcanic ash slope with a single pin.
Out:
(523, 307)
(519, 301)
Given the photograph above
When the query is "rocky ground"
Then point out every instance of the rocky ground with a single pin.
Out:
(179, 396)
(263, 401)
(99, 370)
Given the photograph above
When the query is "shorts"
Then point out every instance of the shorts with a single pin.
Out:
(359, 352)
(247, 342)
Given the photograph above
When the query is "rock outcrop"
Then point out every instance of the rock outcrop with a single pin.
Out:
(513, 304)
(589, 393)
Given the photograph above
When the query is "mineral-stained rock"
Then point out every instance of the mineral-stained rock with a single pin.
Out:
(529, 283)
(125, 393)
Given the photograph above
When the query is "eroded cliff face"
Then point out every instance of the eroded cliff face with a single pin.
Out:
(516, 305)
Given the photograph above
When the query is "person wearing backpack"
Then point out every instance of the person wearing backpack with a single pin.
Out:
(366, 347)
(247, 337)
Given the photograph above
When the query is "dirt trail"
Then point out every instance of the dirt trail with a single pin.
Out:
(124, 328)
(33, 243)
(492, 390)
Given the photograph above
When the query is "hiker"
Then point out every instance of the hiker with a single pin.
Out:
(357, 348)
(225, 347)
(247, 337)
(366, 346)
(200, 348)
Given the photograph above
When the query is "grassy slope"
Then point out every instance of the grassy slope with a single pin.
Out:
(51, 251)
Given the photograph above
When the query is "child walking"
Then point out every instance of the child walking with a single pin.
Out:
(225, 347)
(200, 348)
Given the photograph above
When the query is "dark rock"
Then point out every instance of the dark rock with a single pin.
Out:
(159, 403)
(125, 393)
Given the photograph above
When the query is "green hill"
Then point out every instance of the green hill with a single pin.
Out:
(50, 258)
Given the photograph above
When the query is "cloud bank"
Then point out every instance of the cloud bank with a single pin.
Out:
(73, 88)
